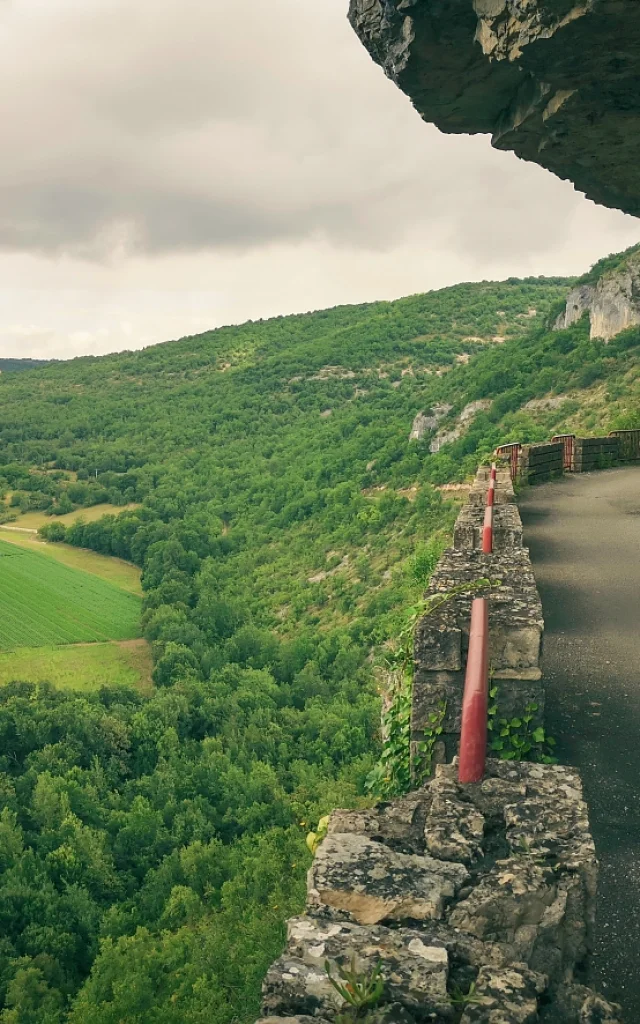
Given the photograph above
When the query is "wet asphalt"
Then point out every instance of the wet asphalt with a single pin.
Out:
(583, 533)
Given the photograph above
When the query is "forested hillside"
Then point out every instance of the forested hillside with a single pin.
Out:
(152, 847)
(17, 365)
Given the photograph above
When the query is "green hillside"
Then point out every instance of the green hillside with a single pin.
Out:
(153, 846)
(18, 365)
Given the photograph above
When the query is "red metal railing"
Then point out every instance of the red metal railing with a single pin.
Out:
(512, 452)
(487, 527)
(569, 442)
(473, 734)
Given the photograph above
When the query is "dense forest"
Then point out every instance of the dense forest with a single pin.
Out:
(19, 365)
(152, 847)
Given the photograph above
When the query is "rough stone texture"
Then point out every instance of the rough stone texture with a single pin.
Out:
(367, 882)
(516, 857)
(594, 453)
(442, 637)
(509, 994)
(486, 890)
(541, 461)
(628, 445)
(613, 302)
(507, 527)
(555, 81)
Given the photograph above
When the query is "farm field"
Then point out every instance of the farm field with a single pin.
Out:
(34, 520)
(123, 574)
(85, 667)
(45, 603)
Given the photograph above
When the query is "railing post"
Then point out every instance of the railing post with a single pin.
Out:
(473, 735)
(487, 531)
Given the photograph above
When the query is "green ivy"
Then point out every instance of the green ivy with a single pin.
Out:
(518, 738)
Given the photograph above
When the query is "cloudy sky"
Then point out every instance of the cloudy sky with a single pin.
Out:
(172, 165)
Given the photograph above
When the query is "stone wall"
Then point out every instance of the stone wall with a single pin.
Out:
(476, 901)
(541, 461)
(516, 624)
(595, 453)
(628, 445)
(538, 462)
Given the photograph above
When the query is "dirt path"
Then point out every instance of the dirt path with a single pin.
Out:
(584, 537)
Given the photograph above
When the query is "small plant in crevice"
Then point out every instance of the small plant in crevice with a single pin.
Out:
(518, 738)
(469, 998)
(314, 839)
(360, 990)
(394, 774)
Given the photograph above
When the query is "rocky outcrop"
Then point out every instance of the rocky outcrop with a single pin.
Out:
(555, 81)
(475, 903)
(465, 419)
(423, 424)
(613, 302)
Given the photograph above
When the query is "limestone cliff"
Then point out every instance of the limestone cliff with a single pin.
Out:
(612, 300)
(555, 81)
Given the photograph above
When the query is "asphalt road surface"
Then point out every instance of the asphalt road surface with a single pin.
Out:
(583, 532)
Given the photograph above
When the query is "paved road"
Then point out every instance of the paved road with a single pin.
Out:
(584, 537)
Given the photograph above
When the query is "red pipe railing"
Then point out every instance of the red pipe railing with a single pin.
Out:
(473, 735)
(487, 531)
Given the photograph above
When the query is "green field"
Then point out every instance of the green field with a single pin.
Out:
(45, 603)
(122, 574)
(85, 667)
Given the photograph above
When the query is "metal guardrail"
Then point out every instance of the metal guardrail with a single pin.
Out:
(473, 733)
(569, 443)
(512, 452)
(475, 702)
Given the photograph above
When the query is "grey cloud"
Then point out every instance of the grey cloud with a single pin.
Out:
(200, 124)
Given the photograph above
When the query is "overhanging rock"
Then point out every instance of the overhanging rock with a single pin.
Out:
(554, 81)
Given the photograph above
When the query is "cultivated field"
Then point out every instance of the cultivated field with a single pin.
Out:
(122, 574)
(34, 520)
(45, 603)
(81, 667)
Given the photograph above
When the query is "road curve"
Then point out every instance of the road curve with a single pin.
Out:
(583, 532)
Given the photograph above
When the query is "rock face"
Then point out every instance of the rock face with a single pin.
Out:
(613, 302)
(422, 424)
(555, 81)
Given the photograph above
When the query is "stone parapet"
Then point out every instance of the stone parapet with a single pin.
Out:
(516, 627)
(504, 489)
(595, 453)
(541, 461)
(476, 904)
(507, 527)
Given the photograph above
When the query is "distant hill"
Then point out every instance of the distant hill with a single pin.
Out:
(16, 365)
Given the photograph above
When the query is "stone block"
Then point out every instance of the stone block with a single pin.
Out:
(414, 965)
(515, 635)
(367, 882)
(507, 996)
(507, 528)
